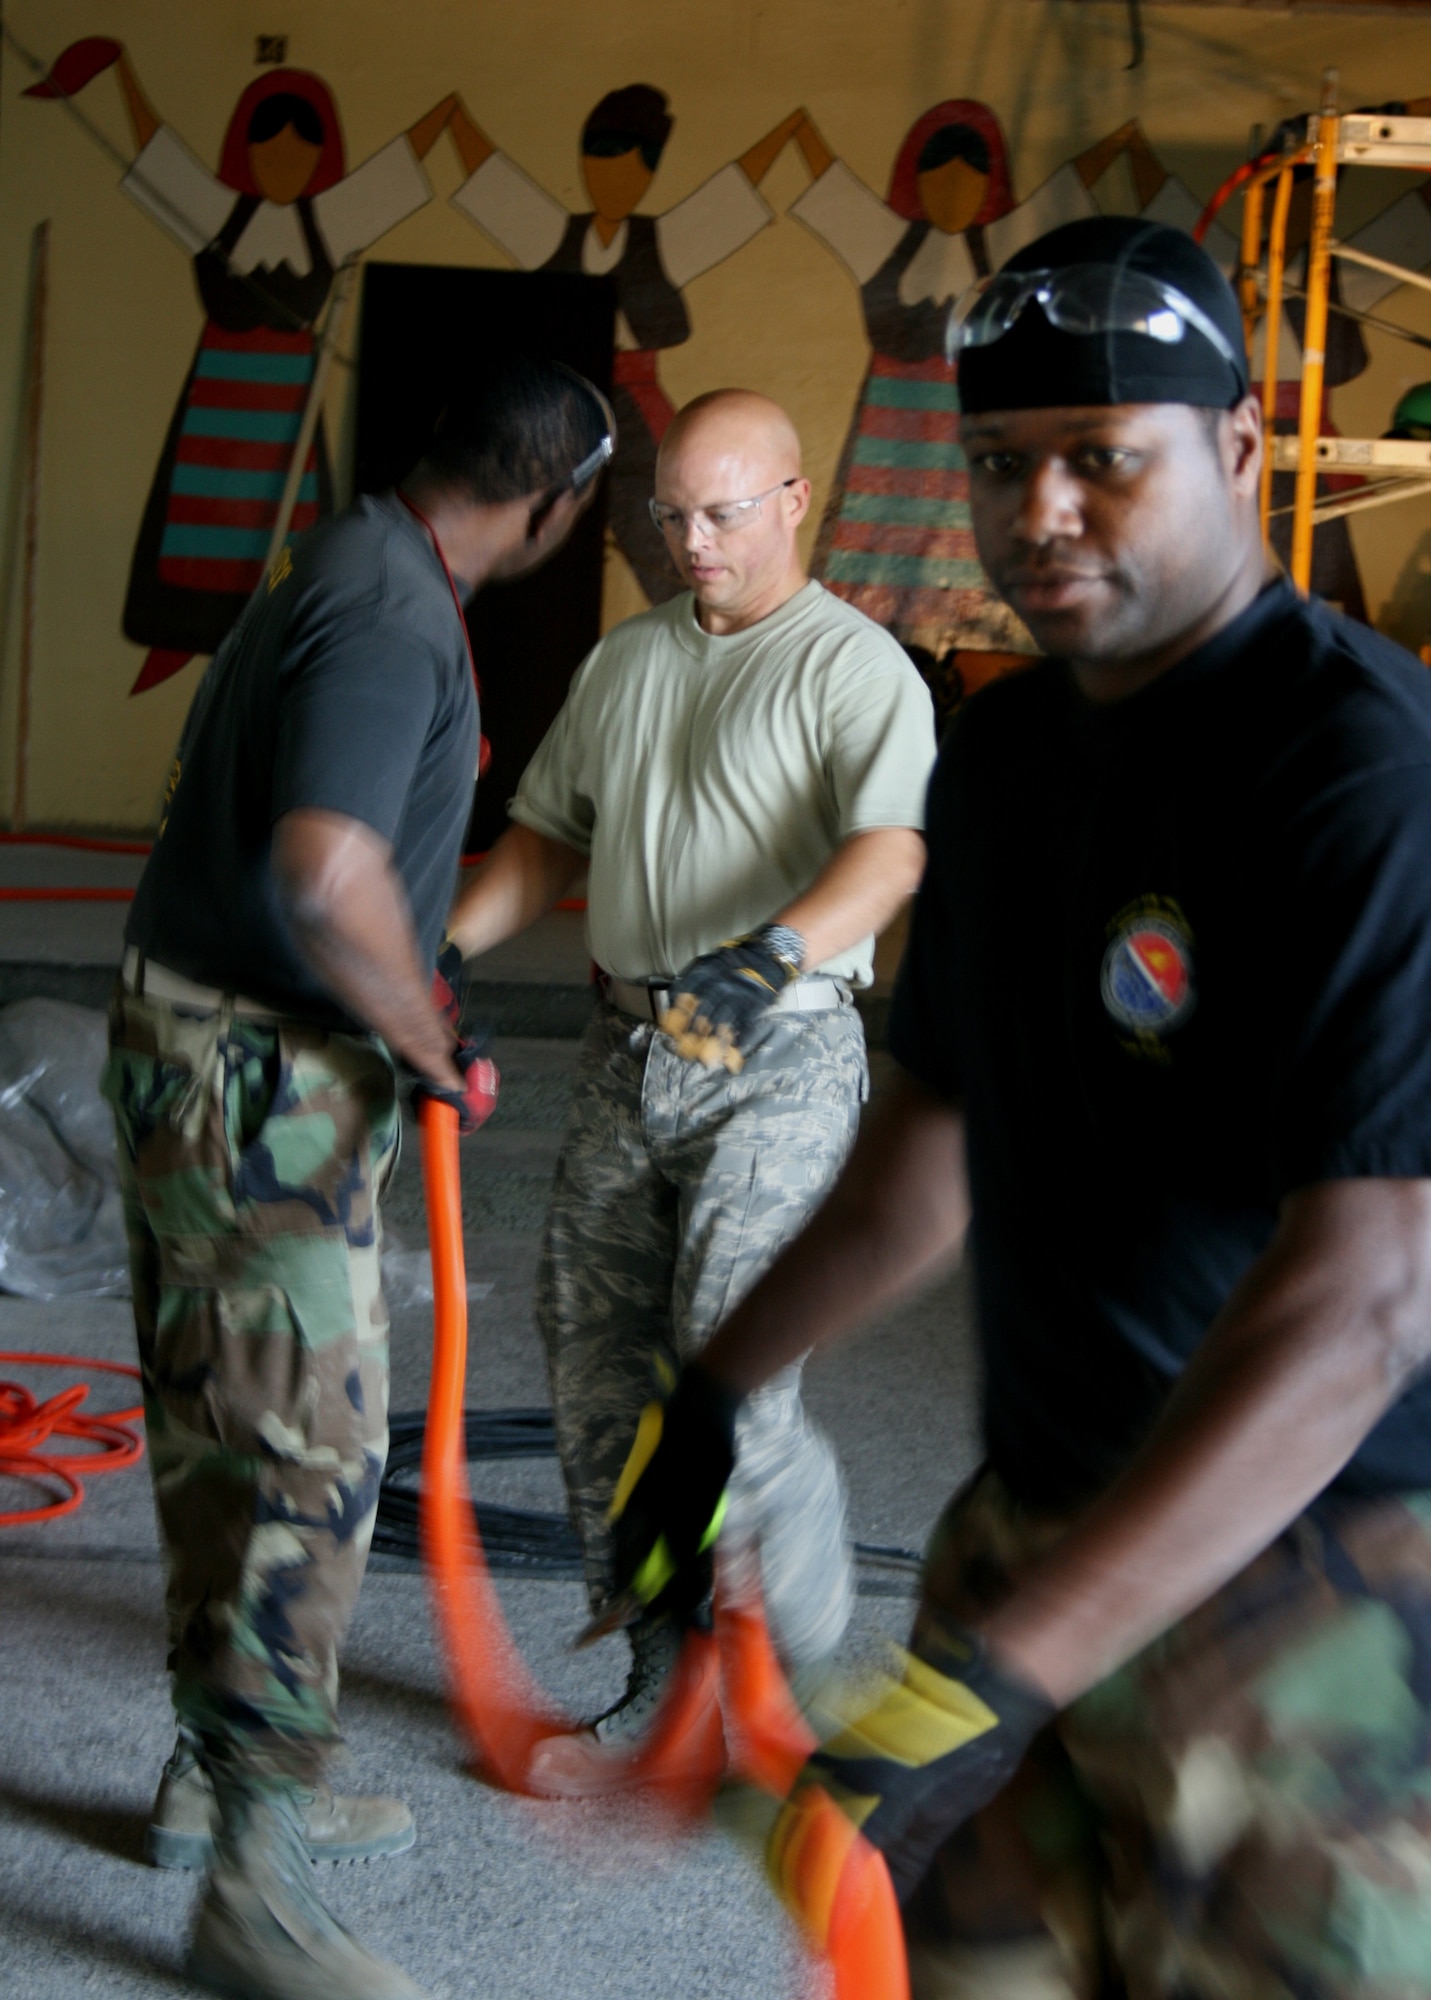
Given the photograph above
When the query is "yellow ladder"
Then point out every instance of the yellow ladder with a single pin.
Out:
(1396, 469)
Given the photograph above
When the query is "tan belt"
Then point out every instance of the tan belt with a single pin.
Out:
(147, 980)
(649, 999)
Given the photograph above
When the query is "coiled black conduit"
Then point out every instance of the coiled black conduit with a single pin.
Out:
(517, 1541)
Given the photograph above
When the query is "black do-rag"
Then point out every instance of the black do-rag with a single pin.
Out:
(1037, 366)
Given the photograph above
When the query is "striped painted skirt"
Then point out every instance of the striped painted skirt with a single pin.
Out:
(216, 491)
(896, 538)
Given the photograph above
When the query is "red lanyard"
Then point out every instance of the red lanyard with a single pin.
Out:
(484, 749)
(418, 515)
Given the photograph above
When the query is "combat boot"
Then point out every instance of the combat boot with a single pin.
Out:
(655, 1649)
(262, 1933)
(689, 1741)
(335, 1828)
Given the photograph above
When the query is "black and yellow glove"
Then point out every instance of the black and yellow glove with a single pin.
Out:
(670, 1500)
(719, 997)
(932, 1749)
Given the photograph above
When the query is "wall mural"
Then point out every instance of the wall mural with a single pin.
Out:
(268, 230)
(651, 259)
(896, 538)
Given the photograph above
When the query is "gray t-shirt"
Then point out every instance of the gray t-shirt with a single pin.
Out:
(346, 687)
(710, 779)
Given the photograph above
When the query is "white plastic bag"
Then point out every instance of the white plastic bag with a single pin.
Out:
(61, 1222)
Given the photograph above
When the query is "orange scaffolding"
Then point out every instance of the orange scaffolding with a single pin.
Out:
(1393, 468)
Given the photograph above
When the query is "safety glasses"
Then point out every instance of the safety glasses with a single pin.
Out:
(605, 451)
(1082, 298)
(592, 464)
(722, 519)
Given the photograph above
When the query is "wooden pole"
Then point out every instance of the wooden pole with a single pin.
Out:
(313, 408)
(34, 413)
(1276, 267)
(1314, 338)
(1247, 293)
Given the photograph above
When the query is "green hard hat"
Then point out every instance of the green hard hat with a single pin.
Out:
(1412, 416)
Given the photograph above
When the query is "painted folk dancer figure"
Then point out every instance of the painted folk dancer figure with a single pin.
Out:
(651, 259)
(279, 957)
(266, 234)
(895, 539)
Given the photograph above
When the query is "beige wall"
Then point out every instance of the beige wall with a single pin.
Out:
(780, 315)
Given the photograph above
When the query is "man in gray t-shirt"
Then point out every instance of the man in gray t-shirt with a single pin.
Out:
(346, 689)
(279, 956)
(746, 762)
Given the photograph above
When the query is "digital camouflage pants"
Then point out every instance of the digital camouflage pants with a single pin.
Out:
(252, 1154)
(1243, 1812)
(675, 1188)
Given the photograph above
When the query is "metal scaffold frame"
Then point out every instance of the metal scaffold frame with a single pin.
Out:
(1395, 469)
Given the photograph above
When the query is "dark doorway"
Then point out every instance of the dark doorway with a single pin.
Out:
(425, 327)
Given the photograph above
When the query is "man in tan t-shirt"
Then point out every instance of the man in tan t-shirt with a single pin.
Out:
(744, 763)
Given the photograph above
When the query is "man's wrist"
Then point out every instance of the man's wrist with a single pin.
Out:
(1051, 1645)
(965, 1654)
(717, 1398)
(786, 944)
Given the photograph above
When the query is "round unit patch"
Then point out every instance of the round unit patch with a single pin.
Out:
(1147, 978)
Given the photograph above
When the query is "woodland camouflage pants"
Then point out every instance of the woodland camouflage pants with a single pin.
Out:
(676, 1187)
(252, 1154)
(1242, 1812)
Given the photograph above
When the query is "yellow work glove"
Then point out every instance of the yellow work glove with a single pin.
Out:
(930, 1750)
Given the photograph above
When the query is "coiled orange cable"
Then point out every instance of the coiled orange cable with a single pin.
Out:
(26, 1426)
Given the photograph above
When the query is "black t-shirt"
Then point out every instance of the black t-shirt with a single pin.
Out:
(1174, 955)
(346, 686)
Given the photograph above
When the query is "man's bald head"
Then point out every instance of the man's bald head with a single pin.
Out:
(736, 419)
(731, 496)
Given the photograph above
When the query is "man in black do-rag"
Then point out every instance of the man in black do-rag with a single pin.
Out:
(1163, 1030)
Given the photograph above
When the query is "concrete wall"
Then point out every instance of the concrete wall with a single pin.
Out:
(781, 314)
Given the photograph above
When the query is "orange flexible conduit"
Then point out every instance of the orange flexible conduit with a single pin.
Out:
(85, 844)
(847, 1904)
(26, 1426)
(92, 844)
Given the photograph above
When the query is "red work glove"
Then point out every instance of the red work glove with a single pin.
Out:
(447, 984)
(477, 1099)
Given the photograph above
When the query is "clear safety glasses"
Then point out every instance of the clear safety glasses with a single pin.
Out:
(604, 452)
(592, 464)
(1082, 298)
(722, 519)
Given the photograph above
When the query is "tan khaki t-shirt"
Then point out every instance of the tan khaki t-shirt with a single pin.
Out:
(710, 779)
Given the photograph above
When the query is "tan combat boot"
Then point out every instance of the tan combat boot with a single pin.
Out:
(262, 1933)
(335, 1828)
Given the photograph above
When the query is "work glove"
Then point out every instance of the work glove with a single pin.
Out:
(932, 1749)
(447, 984)
(477, 1099)
(670, 1500)
(721, 995)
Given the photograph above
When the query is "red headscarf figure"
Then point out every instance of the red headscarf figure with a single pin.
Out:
(234, 168)
(904, 181)
(264, 261)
